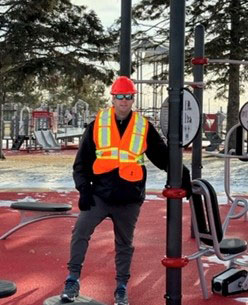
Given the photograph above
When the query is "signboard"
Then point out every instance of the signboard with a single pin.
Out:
(164, 117)
(210, 122)
(243, 116)
(190, 117)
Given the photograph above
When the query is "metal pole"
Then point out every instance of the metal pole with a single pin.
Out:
(125, 43)
(174, 206)
(198, 71)
(138, 77)
(165, 82)
(141, 85)
(228, 61)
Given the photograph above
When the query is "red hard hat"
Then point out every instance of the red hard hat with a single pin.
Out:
(123, 85)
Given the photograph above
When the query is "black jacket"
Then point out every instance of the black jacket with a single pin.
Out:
(110, 186)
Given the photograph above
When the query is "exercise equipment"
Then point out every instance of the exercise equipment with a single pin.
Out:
(31, 212)
(80, 300)
(210, 237)
(7, 288)
(230, 281)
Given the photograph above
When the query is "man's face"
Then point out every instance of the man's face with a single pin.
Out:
(123, 104)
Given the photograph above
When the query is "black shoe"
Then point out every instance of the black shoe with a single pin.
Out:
(71, 290)
(121, 295)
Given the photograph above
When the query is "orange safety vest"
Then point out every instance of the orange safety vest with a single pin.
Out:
(112, 151)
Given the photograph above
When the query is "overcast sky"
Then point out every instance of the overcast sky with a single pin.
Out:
(107, 10)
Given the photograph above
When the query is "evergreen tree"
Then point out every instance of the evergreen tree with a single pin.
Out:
(69, 92)
(226, 37)
(48, 39)
(46, 42)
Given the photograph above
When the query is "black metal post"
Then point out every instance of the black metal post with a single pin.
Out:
(125, 43)
(174, 206)
(198, 71)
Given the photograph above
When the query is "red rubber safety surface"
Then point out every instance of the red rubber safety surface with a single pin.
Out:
(35, 257)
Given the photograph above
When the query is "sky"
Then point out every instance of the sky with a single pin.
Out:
(107, 10)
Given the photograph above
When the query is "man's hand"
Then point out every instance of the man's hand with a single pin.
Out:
(186, 182)
(86, 200)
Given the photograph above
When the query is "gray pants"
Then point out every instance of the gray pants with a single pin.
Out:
(124, 218)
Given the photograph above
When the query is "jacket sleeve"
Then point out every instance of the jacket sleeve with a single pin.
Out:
(157, 151)
(86, 155)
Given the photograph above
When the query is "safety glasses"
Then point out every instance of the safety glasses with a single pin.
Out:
(127, 97)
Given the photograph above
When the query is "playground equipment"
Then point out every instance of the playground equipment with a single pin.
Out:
(81, 300)
(81, 112)
(79, 119)
(21, 125)
(9, 122)
(44, 124)
(231, 280)
(75, 117)
(32, 212)
(212, 124)
(208, 230)
(46, 139)
(210, 239)
(7, 289)
(22, 130)
(43, 128)
(239, 152)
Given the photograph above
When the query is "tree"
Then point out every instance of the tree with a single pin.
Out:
(69, 92)
(47, 42)
(42, 40)
(226, 24)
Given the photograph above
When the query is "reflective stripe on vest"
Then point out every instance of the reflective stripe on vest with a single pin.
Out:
(104, 134)
(138, 134)
(126, 156)
(109, 153)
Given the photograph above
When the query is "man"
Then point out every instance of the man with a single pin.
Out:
(110, 175)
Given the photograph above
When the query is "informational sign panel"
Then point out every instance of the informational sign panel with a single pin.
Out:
(164, 117)
(243, 116)
(190, 117)
(210, 122)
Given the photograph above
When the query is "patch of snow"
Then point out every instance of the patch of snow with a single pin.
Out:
(153, 197)
(27, 199)
(6, 203)
(242, 300)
